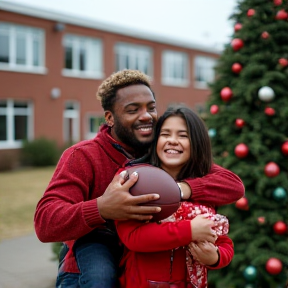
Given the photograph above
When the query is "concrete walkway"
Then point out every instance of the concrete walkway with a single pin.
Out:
(25, 262)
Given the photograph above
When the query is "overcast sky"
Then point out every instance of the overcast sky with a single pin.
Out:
(201, 21)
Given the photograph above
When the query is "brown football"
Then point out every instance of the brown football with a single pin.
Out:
(155, 180)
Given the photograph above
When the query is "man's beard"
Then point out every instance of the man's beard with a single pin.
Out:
(127, 137)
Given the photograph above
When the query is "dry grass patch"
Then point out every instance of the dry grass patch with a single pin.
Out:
(20, 192)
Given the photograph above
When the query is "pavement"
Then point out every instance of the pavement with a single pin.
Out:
(25, 262)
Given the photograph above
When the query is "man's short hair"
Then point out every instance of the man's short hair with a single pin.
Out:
(107, 90)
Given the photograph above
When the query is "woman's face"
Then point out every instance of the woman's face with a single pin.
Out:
(173, 145)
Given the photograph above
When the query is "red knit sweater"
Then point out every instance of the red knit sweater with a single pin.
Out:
(68, 209)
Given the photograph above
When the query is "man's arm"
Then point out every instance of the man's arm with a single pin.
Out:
(219, 187)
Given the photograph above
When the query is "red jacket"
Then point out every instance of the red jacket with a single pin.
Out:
(149, 247)
(68, 209)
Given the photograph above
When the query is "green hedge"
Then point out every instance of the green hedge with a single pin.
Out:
(40, 152)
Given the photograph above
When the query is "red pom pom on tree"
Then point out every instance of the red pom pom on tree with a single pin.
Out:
(274, 266)
(280, 227)
(239, 122)
(283, 62)
(226, 94)
(242, 204)
(237, 27)
(269, 111)
(271, 170)
(250, 12)
(214, 109)
(237, 44)
(241, 150)
(281, 15)
(236, 68)
(284, 148)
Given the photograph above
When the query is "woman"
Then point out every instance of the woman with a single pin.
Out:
(151, 259)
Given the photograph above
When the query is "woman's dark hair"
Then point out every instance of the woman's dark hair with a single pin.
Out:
(201, 153)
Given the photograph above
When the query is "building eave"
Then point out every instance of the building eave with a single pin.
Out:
(53, 15)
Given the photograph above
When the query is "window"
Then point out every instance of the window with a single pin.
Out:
(71, 122)
(174, 68)
(82, 57)
(135, 57)
(22, 48)
(204, 71)
(15, 123)
(94, 123)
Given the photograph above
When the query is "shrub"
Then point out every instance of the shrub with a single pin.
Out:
(40, 152)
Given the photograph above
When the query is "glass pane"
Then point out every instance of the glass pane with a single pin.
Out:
(95, 123)
(68, 58)
(69, 106)
(3, 128)
(82, 59)
(92, 125)
(20, 129)
(3, 104)
(20, 49)
(20, 104)
(4, 48)
(36, 52)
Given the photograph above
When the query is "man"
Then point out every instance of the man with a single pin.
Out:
(83, 197)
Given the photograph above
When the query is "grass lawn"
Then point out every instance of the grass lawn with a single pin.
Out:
(20, 190)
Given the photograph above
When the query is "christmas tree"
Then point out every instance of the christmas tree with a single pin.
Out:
(247, 120)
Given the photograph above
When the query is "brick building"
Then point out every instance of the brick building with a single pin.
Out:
(52, 63)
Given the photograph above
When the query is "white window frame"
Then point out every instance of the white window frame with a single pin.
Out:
(74, 116)
(10, 112)
(175, 68)
(138, 56)
(94, 56)
(28, 33)
(204, 71)
(100, 119)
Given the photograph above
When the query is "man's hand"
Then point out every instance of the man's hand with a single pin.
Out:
(118, 204)
(201, 227)
(204, 252)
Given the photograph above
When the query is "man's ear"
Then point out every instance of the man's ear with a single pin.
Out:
(109, 118)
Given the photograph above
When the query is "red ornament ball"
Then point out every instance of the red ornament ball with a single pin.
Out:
(280, 227)
(237, 44)
(277, 2)
(284, 148)
(237, 27)
(265, 35)
(226, 94)
(242, 204)
(250, 12)
(271, 169)
(241, 150)
(274, 266)
(281, 15)
(261, 220)
(214, 109)
(269, 111)
(239, 122)
(283, 62)
(236, 68)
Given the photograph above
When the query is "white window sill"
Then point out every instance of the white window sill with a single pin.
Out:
(201, 85)
(23, 69)
(10, 145)
(175, 83)
(82, 74)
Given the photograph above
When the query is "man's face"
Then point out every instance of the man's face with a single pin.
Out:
(134, 117)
